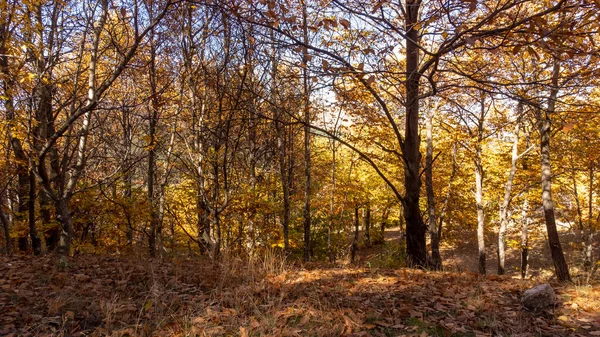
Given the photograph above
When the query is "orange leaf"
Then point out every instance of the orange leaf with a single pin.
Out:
(371, 80)
(568, 127)
(345, 23)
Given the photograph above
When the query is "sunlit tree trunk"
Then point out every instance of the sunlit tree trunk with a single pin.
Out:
(331, 204)
(448, 193)
(588, 258)
(354, 246)
(544, 123)
(479, 190)
(436, 260)
(506, 200)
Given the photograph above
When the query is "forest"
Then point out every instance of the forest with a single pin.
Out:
(299, 168)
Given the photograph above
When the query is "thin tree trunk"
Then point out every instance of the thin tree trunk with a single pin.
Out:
(127, 173)
(436, 260)
(588, 233)
(152, 195)
(480, 212)
(21, 160)
(75, 172)
(448, 192)
(306, 104)
(354, 247)
(581, 226)
(36, 243)
(479, 191)
(331, 204)
(544, 122)
(368, 225)
(384, 220)
(524, 238)
(5, 225)
(506, 201)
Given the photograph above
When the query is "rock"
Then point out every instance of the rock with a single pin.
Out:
(539, 297)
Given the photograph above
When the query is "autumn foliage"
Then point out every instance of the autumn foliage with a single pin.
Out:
(200, 136)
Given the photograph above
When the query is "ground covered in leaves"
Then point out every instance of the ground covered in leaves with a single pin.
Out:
(106, 296)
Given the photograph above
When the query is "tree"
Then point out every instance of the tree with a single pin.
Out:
(466, 23)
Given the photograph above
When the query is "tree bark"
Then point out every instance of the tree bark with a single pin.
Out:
(480, 212)
(21, 160)
(544, 123)
(36, 243)
(416, 249)
(6, 225)
(306, 105)
(588, 232)
(524, 238)
(506, 201)
(153, 116)
(436, 260)
(368, 225)
(479, 191)
(354, 247)
(331, 204)
(448, 193)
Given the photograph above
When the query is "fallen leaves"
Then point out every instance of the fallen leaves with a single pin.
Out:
(104, 296)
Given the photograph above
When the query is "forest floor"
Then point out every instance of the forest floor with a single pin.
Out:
(111, 296)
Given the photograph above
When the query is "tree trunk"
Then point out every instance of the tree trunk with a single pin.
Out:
(448, 193)
(416, 249)
(5, 224)
(436, 260)
(588, 249)
(21, 160)
(153, 196)
(306, 104)
(331, 204)
(506, 201)
(354, 247)
(36, 243)
(544, 123)
(368, 225)
(66, 226)
(384, 220)
(480, 212)
(51, 232)
(524, 238)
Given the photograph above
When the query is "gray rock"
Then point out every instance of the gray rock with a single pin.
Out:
(539, 297)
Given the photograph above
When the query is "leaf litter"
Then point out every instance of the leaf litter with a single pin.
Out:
(107, 296)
